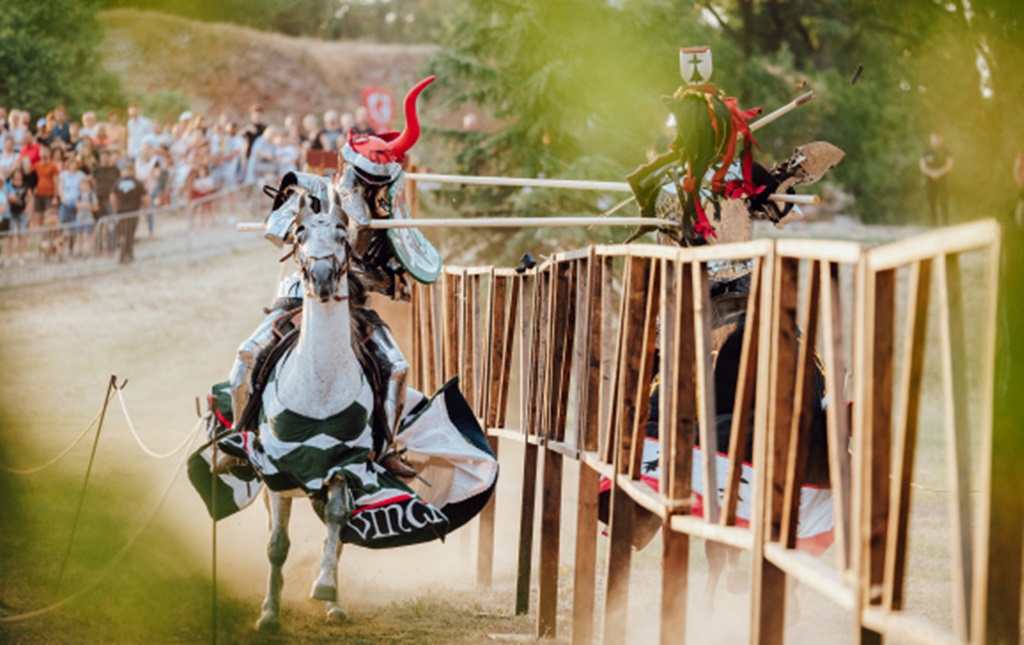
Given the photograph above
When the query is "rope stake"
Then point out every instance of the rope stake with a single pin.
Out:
(112, 385)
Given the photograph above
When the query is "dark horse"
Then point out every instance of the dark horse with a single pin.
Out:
(729, 301)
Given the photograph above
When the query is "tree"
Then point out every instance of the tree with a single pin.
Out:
(48, 57)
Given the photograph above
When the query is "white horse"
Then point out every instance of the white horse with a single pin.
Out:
(319, 379)
(317, 423)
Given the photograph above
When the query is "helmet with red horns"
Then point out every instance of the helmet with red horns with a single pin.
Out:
(387, 147)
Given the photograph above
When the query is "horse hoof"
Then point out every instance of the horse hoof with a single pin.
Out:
(324, 592)
(336, 615)
(268, 623)
(737, 582)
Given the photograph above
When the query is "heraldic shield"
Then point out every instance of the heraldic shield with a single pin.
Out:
(412, 250)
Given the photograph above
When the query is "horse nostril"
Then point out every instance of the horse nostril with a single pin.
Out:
(321, 271)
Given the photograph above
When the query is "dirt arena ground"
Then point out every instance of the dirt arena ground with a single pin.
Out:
(171, 329)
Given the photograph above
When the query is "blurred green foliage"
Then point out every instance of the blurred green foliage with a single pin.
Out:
(574, 87)
(48, 57)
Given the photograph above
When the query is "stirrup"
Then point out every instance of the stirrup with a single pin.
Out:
(394, 462)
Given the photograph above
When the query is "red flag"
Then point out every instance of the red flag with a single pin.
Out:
(380, 106)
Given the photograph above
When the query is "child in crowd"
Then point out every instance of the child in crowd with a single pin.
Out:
(86, 209)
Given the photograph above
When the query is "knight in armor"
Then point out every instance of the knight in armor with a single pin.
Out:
(715, 193)
(370, 185)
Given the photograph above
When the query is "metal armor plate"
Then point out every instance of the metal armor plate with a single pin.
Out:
(412, 250)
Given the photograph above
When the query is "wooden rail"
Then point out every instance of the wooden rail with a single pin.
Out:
(590, 326)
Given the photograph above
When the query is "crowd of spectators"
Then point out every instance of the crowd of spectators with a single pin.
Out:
(62, 176)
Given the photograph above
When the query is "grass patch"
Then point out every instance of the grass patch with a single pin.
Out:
(156, 593)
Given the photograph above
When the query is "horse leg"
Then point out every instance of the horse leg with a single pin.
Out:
(337, 513)
(716, 554)
(280, 508)
(334, 611)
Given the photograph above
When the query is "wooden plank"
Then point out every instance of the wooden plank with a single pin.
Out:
(667, 371)
(564, 323)
(956, 421)
(585, 569)
(743, 405)
(645, 497)
(432, 347)
(580, 351)
(610, 430)
(906, 628)
(837, 420)
(813, 572)
(528, 296)
(706, 410)
(915, 341)
(948, 239)
(526, 519)
(497, 351)
(416, 360)
(594, 461)
(623, 509)
(734, 536)
(776, 376)
(678, 403)
(819, 250)
(550, 532)
(491, 377)
(803, 407)
(606, 355)
(646, 349)
(675, 564)
(620, 551)
(509, 342)
(860, 537)
(785, 350)
(635, 298)
(468, 342)
(450, 339)
(878, 459)
(709, 253)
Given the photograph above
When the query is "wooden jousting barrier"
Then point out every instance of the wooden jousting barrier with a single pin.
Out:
(586, 324)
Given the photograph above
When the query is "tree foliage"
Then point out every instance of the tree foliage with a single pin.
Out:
(48, 57)
(575, 88)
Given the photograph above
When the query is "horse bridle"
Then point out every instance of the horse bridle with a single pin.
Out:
(338, 268)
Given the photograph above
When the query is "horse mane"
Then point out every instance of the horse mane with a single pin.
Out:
(371, 358)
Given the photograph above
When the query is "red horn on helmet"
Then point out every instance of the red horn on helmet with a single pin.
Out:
(411, 133)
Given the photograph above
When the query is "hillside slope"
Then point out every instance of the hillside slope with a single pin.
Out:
(228, 67)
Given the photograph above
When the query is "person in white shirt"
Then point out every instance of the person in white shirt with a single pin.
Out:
(139, 127)
(8, 157)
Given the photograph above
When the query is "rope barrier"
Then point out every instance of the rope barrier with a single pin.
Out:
(138, 439)
(74, 442)
(114, 561)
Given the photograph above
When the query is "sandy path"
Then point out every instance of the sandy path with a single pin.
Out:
(171, 329)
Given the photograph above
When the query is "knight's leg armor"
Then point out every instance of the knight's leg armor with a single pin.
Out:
(259, 343)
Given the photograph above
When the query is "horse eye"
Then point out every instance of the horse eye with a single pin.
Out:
(314, 203)
(300, 234)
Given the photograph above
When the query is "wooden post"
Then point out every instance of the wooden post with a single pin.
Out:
(837, 420)
(528, 392)
(769, 582)
(622, 507)
(743, 405)
(553, 405)
(706, 410)
(956, 394)
(914, 344)
(800, 425)
(493, 379)
(676, 426)
(592, 324)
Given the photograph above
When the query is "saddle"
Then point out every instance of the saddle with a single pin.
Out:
(286, 332)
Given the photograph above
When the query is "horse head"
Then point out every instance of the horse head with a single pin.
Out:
(320, 245)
